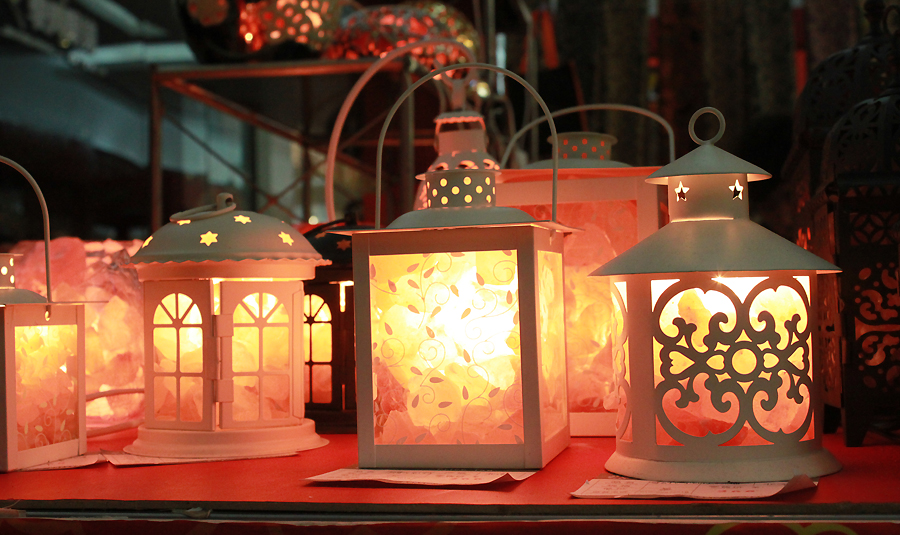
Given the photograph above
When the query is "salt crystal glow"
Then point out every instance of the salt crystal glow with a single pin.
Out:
(46, 372)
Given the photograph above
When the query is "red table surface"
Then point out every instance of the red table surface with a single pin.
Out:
(868, 488)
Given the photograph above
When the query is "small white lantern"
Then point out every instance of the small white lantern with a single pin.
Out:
(43, 372)
(716, 371)
(223, 316)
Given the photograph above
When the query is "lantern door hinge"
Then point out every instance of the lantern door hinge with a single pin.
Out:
(224, 390)
(223, 325)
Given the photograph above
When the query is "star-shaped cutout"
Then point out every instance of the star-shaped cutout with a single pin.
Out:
(737, 191)
(681, 192)
(242, 219)
(209, 238)
(184, 222)
(343, 245)
(286, 238)
(147, 242)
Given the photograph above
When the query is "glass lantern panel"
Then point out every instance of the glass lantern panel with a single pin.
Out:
(446, 348)
(165, 355)
(246, 399)
(320, 336)
(276, 397)
(554, 409)
(276, 348)
(46, 383)
(609, 228)
(321, 384)
(191, 349)
(191, 399)
(245, 349)
(164, 396)
(733, 362)
(280, 315)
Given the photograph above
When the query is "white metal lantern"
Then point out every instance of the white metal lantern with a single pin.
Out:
(716, 371)
(460, 331)
(223, 316)
(43, 374)
(614, 207)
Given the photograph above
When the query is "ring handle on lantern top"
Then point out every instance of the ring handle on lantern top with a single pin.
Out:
(591, 107)
(224, 204)
(715, 138)
(44, 214)
(334, 141)
(437, 72)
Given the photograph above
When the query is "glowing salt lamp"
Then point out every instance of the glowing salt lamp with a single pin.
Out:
(44, 372)
(716, 371)
(223, 316)
(615, 208)
(460, 331)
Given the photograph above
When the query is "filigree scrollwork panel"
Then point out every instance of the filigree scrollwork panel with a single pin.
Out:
(733, 362)
(620, 362)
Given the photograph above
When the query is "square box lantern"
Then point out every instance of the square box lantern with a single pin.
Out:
(43, 372)
(716, 370)
(614, 208)
(223, 317)
(460, 333)
(43, 375)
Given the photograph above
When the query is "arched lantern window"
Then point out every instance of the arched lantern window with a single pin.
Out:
(714, 356)
(223, 313)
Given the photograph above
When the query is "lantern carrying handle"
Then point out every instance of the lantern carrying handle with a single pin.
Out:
(437, 72)
(224, 204)
(590, 107)
(715, 138)
(334, 141)
(44, 214)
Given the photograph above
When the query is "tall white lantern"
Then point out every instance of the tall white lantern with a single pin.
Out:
(716, 371)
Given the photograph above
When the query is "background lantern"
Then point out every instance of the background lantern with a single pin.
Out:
(614, 208)
(223, 310)
(460, 330)
(43, 387)
(328, 331)
(715, 363)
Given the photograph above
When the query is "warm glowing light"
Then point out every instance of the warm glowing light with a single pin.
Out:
(313, 220)
(286, 238)
(46, 398)
(681, 192)
(749, 333)
(183, 222)
(147, 241)
(209, 238)
(737, 191)
(446, 355)
(242, 219)
(343, 294)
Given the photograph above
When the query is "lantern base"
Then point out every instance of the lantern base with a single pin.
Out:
(227, 443)
(813, 464)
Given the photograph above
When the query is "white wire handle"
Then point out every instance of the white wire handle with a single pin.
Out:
(438, 72)
(44, 214)
(589, 107)
(367, 75)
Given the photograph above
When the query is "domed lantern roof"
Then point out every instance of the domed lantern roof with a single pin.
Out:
(220, 241)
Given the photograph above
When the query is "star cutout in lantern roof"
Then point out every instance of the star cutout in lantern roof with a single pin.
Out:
(242, 219)
(737, 191)
(209, 238)
(681, 192)
(286, 238)
(343, 245)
